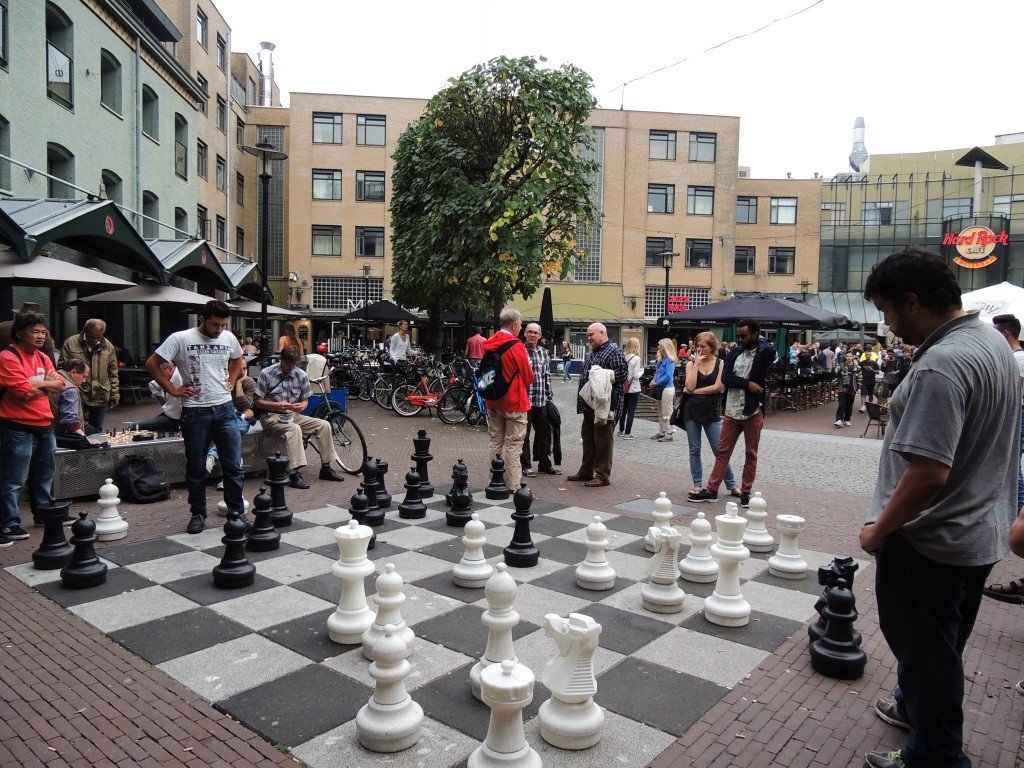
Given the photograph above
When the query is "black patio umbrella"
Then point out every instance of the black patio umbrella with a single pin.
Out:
(547, 316)
(379, 312)
(458, 318)
(770, 311)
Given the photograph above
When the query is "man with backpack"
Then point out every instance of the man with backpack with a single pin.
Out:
(503, 378)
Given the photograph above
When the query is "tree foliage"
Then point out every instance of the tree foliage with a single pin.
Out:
(489, 189)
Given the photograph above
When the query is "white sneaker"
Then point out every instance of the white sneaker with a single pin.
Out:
(839, 423)
(210, 460)
(848, 423)
(863, 409)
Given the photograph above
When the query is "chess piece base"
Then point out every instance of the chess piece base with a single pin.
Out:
(347, 627)
(525, 557)
(281, 519)
(759, 544)
(483, 757)
(727, 611)
(842, 662)
(595, 578)
(787, 570)
(234, 577)
(389, 727)
(472, 577)
(457, 518)
(259, 542)
(86, 578)
(695, 576)
(571, 726)
(662, 598)
(112, 531)
(497, 495)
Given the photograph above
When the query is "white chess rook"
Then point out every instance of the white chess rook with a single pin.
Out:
(499, 618)
(507, 690)
(353, 616)
(473, 571)
(570, 719)
(726, 605)
(594, 572)
(662, 515)
(389, 601)
(390, 721)
(699, 566)
(661, 592)
(110, 526)
(788, 563)
(756, 537)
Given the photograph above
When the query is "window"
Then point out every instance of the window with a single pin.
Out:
(371, 130)
(202, 28)
(202, 222)
(222, 115)
(343, 294)
(326, 184)
(700, 201)
(654, 298)
(201, 167)
(661, 198)
(702, 147)
(250, 92)
(239, 241)
(746, 210)
(698, 253)
(239, 132)
(180, 224)
(110, 81)
(744, 260)
(60, 163)
(204, 86)
(662, 145)
(877, 213)
(326, 240)
(370, 185)
(783, 210)
(5, 149)
(222, 173)
(781, 261)
(3, 35)
(240, 189)
(1000, 203)
(150, 113)
(180, 145)
(370, 241)
(833, 214)
(956, 206)
(222, 54)
(59, 55)
(655, 247)
(326, 128)
(150, 214)
(221, 238)
(111, 186)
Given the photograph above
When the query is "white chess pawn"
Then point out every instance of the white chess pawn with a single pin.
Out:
(222, 507)
(756, 536)
(594, 572)
(110, 526)
(389, 601)
(473, 571)
(661, 592)
(788, 563)
(390, 721)
(507, 689)
(699, 566)
(353, 616)
(662, 515)
(570, 719)
(726, 605)
(499, 618)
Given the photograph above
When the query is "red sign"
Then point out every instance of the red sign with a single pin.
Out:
(974, 246)
(678, 303)
(108, 225)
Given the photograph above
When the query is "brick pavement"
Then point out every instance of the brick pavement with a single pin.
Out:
(71, 696)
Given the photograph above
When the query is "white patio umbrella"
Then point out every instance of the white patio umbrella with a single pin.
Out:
(53, 272)
(1002, 299)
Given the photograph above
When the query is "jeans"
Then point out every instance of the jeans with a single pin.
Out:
(627, 411)
(243, 427)
(713, 431)
(926, 611)
(200, 427)
(25, 457)
(750, 428)
(160, 423)
(1020, 474)
(566, 364)
(95, 415)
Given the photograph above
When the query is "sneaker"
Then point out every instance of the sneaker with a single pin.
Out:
(1018, 687)
(220, 486)
(745, 500)
(5, 541)
(848, 423)
(703, 495)
(658, 436)
(15, 532)
(884, 759)
(210, 461)
(628, 436)
(839, 423)
(196, 524)
(890, 711)
(665, 439)
(529, 472)
(864, 410)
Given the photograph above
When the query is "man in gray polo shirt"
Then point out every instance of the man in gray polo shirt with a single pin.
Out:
(944, 500)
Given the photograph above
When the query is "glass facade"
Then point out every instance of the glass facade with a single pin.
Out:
(274, 135)
(588, 238)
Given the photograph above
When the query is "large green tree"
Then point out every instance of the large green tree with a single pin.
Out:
(489, 188)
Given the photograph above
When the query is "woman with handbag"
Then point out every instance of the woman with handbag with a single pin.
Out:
(663, 389)
(702, 407)
(631, 388)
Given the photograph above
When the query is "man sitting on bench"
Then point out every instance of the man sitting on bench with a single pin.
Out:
(282, 393)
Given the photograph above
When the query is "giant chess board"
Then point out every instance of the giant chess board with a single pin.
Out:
(263, 655)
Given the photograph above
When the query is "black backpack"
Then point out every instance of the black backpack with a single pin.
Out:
(490, 376)
(140, 481)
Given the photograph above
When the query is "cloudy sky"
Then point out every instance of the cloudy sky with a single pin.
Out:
(923, 75)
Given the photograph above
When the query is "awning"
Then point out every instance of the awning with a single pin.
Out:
(244, 277)
(193, 260)
(94, 227)
(45, 271)
(251, 308)
(151, 293)
(849, 303)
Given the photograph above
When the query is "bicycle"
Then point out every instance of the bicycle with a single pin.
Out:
(349, 443)
(408, 399)
(463, 403)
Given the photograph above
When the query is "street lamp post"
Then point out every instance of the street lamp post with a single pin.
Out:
(266, 153)
(667, 257)
(366, 302)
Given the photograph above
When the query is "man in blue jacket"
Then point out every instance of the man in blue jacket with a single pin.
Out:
(746, 370)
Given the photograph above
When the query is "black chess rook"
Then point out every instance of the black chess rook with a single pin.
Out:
(412, 507)
(497, 490)
(837, 654)
(422, 456)
(459, 498)
(263, 537)
(54, 551)
(85, 570)
(521, 551)
(277, 479)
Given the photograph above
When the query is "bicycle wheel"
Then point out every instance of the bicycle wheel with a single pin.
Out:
(400, 400)
(348, 442)
(473, 415)
(320, 412)
(382, 392)
(364, 390)
(451, 408)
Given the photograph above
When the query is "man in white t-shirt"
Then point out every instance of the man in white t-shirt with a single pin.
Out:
(399, 346)
(209, 359)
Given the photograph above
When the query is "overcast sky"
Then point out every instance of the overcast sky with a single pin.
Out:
(924, 76)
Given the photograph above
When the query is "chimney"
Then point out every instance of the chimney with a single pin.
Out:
(859, 154)
(267, 74)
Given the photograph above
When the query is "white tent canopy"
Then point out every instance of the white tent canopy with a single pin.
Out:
(1002, 299)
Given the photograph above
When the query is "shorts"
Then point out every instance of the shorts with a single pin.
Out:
(867, 389)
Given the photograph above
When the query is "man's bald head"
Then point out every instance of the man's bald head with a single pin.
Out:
(532, 334)
(597, 335)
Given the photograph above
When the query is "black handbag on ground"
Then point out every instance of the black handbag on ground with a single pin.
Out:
(140, 481)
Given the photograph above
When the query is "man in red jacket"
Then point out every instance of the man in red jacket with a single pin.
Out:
(507, 416)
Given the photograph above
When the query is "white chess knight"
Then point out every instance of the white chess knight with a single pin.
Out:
(788, 563)
(390, 721)
(473, 571)
(499, 618)
(662, 515)
(699, 566)
(726, 605)
(570, 719)
(110, 526)
(661, 592)
(756, 537)
(507, 688)
(389, 600)
(594, 572)
(353, 616)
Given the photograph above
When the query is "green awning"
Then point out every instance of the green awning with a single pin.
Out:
(244, 277)
(849, 303)
(193, 260)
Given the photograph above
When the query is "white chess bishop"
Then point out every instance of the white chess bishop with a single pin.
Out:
(661, 592)
(594, 572)
(353, 616)
(110, 526)
(726, 605)
(473, 571)
(389, 601)
(699, 566)
(756, 537)
(662, 515)
(500, 618)
(788, 563)
(570, 719)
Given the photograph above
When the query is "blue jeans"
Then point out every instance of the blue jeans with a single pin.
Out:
(243, 427)
(25, 457)
(566, 364)
(200, 427)
(714, 435)
(96, 415)
(627, 411)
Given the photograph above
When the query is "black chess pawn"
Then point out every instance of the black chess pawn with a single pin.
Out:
(234, 571)
(277, 479)
(384, 500)
(85, 569)
(521, 551)
(374, 513)
(497, 489)
(54, 551)
(839, 568)
(357, 508)
(263, 536)
(412, 507)
(459, 498)
(836, 654)
(421, 456)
